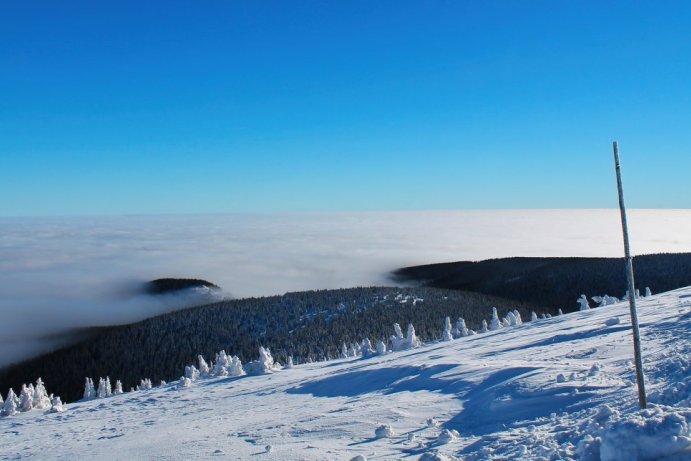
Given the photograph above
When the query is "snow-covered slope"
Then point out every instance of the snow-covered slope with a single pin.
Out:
(560, 388)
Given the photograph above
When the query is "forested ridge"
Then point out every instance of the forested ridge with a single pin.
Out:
(308, 325)
(553, 282)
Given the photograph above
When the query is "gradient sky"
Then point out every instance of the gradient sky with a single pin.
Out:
(213, 107)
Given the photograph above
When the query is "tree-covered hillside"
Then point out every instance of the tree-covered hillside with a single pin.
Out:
(553, 282)
(307, 325)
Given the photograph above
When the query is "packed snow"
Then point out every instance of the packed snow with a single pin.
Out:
(556, 388)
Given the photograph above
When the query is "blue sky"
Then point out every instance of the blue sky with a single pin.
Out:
(214, 107)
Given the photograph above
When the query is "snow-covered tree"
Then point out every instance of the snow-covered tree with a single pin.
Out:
(118, 387)
(89, 390)
(221, 364)
(40, 397)
(264, 365)
(517, 317)
(648, 292)
(26, 398)
(583, 302)
(235, 367)
(109, 389)
(184, 382)
(506, 322)
(203, 367)
(484, 326)
(560, 312)
(289, 362)
(103, 388)
(11, 406)
(411, 338)
(56, 405)
(2, 403)
(145, 385)
(366, 348)
(447, 335)
(344, 351)
(381, 348)
(191, 372)
(354, 350)
(533, 316)
(495, 324)
(460, 329)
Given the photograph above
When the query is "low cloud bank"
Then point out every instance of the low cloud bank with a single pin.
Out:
(58, 274)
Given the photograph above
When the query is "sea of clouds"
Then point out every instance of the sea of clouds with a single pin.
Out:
(58, 274)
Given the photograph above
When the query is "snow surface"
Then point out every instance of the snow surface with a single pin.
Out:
(557, 388)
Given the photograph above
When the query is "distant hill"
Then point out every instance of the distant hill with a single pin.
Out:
(307, 325)
(552, 282)
(171, 285)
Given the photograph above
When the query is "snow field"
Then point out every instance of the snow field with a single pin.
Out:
(558, 388)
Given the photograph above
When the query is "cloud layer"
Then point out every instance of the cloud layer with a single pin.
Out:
(63, 273)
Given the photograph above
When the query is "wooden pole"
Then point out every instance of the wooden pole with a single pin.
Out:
(632, 293)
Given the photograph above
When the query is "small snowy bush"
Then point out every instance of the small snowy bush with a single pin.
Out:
(384, 431)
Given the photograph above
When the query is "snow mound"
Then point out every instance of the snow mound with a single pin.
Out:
(384, 431)
(649, 434)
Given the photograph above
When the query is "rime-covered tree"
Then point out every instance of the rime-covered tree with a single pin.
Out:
(26, 398)
(366, 348)
(11, 406)
(495, 324)
(583, 303)
(484, 326)
(344, 351)
(40, 397)
(203, 366)
(101, 392)
(648, 292)
(235, 367)
(447, 335)
(559, 312)
(56, 405)
(533, 316)
(118, 387)
(289, 362)
(461, 329)
(191, 372)
(89, 390)
(381, 348)
(221, 364)
(411, 338)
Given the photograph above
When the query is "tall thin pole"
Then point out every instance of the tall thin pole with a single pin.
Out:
(632, 293)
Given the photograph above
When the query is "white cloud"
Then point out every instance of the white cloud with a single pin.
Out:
(62, 273)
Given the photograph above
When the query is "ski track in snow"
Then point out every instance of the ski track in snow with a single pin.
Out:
(498, 390)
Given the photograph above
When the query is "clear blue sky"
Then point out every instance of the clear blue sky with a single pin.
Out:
(228, 106)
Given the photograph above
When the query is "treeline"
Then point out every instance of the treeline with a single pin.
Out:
(308, 326)
(553, 282)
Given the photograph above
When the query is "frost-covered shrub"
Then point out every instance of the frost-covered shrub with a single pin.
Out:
(648, 292)
(384, 431)
(118, 387)
(235, 368)
(145, 384)
(484, 326)
(583, 303)
(184, 382)
(448, 435)
(447, 335)
(533, 316)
